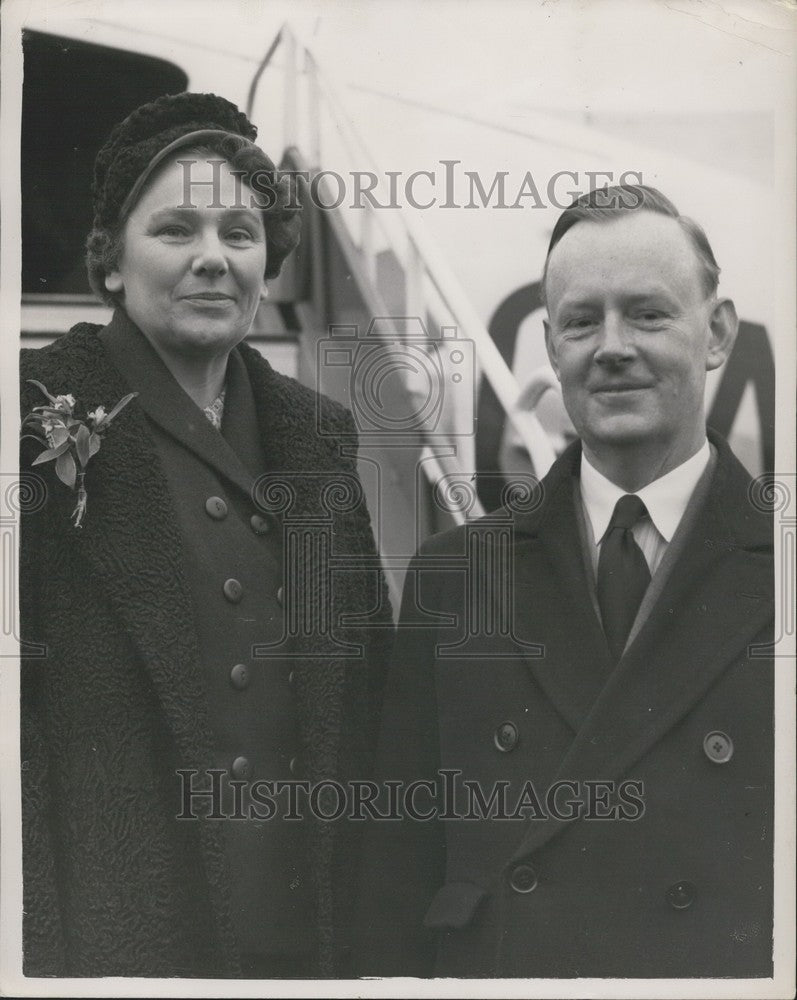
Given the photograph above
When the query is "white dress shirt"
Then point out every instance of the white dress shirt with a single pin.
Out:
(665, 498)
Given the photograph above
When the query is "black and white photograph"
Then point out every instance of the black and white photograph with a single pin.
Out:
(398, 498)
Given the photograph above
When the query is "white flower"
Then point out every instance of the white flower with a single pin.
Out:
(97, 417)
(65, 403)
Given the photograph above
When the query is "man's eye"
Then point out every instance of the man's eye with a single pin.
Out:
(580, 323)
(650, 316)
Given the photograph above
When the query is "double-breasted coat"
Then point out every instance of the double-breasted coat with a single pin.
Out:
(120, 680)
(668, 875)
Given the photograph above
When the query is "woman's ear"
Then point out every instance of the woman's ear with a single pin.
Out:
(113, 282)
(264, 290)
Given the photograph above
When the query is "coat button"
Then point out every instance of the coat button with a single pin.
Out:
(523, 878)
(216, 508)
(239, 676)
(295, 766)
(681, 895)
(259, 524)
(718, 747)
(233, 591)
(506, 737)
(241, 768)
(292, 678)
(281, 596)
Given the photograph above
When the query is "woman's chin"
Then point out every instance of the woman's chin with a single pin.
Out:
(207, 338)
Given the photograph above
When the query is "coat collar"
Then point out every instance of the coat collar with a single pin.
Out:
(164, 401)
(699, 624)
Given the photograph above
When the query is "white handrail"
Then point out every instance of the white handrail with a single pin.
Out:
(408, 239)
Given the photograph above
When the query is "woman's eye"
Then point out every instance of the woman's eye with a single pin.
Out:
(172, 232)
(239, 236)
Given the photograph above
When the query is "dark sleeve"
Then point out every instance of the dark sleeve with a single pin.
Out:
(404, 859)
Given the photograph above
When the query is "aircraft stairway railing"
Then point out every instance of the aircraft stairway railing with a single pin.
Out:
(391, 310)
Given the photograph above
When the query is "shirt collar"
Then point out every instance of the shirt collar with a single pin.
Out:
(666, 498)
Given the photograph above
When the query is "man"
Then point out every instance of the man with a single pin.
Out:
(599, 735)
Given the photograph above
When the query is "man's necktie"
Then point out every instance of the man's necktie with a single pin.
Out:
(623, 574)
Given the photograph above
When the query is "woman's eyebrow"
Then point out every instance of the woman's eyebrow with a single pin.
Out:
(183, 211)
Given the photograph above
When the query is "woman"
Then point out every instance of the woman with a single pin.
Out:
(180, 585)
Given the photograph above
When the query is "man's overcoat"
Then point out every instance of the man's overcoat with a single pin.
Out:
(670, 876)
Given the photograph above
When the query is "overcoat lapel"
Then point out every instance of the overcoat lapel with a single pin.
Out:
(165, 402)
(552, 599)
(699, 625)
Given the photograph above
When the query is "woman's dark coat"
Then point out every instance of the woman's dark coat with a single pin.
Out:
(110, 690)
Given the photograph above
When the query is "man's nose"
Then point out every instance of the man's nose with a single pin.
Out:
(210, 256)
(617, 341)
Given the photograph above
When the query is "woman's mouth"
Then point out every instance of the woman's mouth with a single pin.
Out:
(208, 297)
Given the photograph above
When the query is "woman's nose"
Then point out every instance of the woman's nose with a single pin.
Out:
(210, 257)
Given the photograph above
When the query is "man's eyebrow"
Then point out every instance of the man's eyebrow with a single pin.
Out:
(654, 292)
(579, 300)
(592, 299)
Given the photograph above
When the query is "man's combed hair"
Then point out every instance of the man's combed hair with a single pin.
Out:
(617, 202)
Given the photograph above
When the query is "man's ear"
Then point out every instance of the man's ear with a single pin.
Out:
(723, 327)
(113, 282)
(549, 347)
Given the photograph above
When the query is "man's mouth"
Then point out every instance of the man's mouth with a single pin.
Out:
(621, 387)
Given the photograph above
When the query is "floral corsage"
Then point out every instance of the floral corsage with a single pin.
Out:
(71, 441)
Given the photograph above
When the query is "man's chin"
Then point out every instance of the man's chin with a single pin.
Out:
(620, 431)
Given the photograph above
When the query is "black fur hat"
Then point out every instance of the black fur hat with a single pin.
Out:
(135, 141)
(134, 144)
